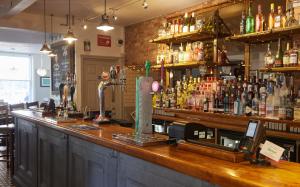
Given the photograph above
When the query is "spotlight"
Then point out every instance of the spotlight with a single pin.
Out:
(115, 17)
(85, 26)
(145, 4)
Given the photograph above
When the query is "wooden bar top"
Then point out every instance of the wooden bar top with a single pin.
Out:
(216, 171)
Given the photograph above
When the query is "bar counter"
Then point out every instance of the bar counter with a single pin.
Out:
(214, 171)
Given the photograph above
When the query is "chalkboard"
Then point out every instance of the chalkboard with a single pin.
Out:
(62, 64)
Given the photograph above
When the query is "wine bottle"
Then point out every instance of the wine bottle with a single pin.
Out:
(279, 55)
(186, 23)
(259, 20)
(192, 22)
(286, 56)
(250, 20)
(243, 24)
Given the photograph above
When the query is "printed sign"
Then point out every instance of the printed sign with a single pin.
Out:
(272, 151)
(104, 40)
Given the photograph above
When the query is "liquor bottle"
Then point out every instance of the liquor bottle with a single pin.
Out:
(186, 23)
(269, 103)
(205, 105)
(271, 17)
(278, 18)
(255, 105)
(237, 105)
(279, 55)
(276, 102)
(291, 20)
(180, 25)
(243, 101)
(289, 110)
(192, 22)
(259, 20)
(243, 24)
(176, 27)
(294, 55)
(262, 102)
(201, 52)
(226, 103)
(250, 20)
(283, 20)
(269, 58)
(181, 54)
(173, 27)
(286, 56)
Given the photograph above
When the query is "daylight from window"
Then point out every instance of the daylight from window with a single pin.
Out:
(15, 78)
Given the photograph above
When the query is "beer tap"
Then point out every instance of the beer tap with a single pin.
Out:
(108, 80)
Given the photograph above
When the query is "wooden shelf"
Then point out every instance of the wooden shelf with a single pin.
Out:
(180, 65)
(281, 69)
(179, 38)
(266, 36)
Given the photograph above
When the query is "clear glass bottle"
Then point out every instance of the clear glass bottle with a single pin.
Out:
(278, 18)
(294, 55)
(269, 58)
(291, 20)
(192, 22)
(269, 103)
(186, 23)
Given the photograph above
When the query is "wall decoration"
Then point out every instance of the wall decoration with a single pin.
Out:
(63, 64)
(45, 81)
(87, 46)
(104, 40)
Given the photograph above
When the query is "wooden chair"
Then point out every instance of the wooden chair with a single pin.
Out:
(16, 107)
(32, 104)
(7, 135)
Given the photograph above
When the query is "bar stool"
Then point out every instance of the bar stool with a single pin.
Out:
(7, 134)
(32, 104)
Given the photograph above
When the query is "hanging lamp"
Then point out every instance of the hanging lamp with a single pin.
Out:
(104, 25)
(52, 54)
(70, 36)
(41, 71)
(45, 48)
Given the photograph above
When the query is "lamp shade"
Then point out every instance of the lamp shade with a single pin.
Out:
(104, 25)
(51, 54)
(70, 37)
(45, 49)
(41, 72)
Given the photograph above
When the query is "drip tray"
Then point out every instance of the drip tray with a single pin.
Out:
(142, 140)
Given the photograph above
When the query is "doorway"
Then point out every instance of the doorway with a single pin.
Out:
(91, 68)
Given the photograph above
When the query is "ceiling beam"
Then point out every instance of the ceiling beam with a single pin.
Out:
(14, 7)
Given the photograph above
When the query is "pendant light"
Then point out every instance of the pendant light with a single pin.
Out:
(104, 25)
(45, 48)
(70, 37)
(52, 54)
(41, 71)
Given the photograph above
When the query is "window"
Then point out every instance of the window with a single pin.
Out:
(15, 78)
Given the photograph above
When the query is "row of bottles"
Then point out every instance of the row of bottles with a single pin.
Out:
(288, 58)
(180, 25)
(279, 19)
(192, 52)
(271, 98)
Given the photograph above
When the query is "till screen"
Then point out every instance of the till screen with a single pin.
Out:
(251, 129)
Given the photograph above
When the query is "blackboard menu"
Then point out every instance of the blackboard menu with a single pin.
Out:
(62, 64)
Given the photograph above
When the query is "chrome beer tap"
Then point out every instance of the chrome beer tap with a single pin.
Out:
(107, 80)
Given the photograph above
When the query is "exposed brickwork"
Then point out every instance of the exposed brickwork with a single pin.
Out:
(137, 46)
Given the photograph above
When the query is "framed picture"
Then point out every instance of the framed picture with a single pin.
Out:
(45, 81)
(87, 46)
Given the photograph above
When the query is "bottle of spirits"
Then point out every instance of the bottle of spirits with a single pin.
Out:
(262, 102)
(289, 110)
(269, 103)
(259, 20)
(250, 20)
(201, 52)
(186, 23)
(192, 22)
(269, 58)
(291, 19)
(180, 25)
(255, 105)
(237, 104)
(283, 19)
(286, 56)
(226, 103)
(176, 27)
(294, 55)
(278, 18)
(243, 24)
(271, 17)
(276, 102)
(279, 55)
(243, 101)
(205, 105)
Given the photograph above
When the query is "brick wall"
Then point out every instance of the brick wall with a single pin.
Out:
(137, 46)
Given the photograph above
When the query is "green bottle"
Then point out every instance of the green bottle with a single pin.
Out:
(250, 20)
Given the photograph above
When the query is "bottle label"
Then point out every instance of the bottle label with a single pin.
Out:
(282, 113)
(293, 59)
(248, 110)
(286, 60)
(262, 109)
(185, 29)
(277, 22)
(192, 28)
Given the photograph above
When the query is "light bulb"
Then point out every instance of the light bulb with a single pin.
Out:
(145, 4)
(85, 26)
